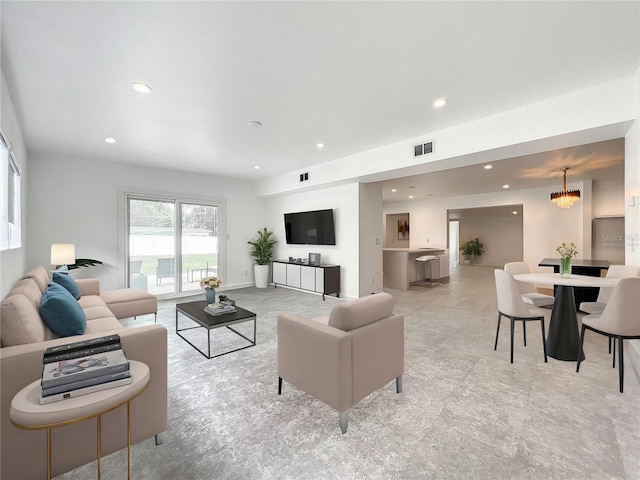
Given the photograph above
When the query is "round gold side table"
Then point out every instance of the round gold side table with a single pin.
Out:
(27, 413)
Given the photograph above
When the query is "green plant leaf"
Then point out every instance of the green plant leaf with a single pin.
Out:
(262, 247)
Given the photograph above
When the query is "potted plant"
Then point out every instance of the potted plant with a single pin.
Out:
(472, 249)
(262, 251)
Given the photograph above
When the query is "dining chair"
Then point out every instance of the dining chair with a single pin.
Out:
(527, 290)
(619, 319)
(614, 271)
(511, 305)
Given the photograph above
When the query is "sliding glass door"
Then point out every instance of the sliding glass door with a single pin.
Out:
(172, 244)
(199, 243)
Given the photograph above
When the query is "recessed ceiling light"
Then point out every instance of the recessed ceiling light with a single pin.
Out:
(255, 123)
(110, 140)
(514, 212)
(141, 87)
(410, 196)
(394, 190)
(488, 167)
(505, 186)
(257, 167)
(320, 145)
(440, 102)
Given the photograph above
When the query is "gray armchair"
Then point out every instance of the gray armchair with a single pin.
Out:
(342, 359)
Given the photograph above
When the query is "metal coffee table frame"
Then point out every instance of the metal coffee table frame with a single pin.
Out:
(195, 312)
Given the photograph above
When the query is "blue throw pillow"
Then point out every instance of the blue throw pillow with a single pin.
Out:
(67, 282)
(61, 312)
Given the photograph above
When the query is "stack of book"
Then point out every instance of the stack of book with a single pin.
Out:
(83, 367)
(219, 308)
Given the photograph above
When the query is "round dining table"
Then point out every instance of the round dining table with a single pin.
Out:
(563, 336)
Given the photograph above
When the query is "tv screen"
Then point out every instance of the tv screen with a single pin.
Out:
(310, 228)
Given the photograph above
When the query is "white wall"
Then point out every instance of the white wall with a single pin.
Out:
(608, 198)
(371, 234)
(545, 226)
(502, 236)
(12, 262)
(76, 201)
(391, 230)
(344, 201)
(632, 184)
(602, 112)
(599, 113)
(632, 212)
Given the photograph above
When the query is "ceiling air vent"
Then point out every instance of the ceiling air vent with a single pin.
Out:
(423, 149)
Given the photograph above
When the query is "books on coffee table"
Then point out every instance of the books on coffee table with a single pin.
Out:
(219, 308)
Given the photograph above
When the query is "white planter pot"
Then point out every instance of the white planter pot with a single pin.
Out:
(261, 273)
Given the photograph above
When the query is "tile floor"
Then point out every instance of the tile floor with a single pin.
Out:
(465, 412)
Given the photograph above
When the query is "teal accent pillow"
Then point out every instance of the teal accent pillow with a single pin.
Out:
(61, 312)
(67, 282)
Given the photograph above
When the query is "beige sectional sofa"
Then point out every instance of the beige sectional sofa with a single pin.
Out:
(24, 338)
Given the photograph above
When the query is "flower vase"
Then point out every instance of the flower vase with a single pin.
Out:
(565, 266)
(211, 295)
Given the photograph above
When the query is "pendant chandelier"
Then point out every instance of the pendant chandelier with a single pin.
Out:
(565, 198)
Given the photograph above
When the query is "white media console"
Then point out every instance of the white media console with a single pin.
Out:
(324, 279)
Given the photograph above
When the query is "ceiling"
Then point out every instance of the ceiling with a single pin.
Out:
(595, 161)
(352, 75)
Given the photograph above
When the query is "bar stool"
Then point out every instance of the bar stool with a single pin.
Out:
(425, 259)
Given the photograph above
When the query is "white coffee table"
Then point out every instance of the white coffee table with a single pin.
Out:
(27, 413)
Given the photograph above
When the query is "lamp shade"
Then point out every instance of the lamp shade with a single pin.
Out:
(63, 253)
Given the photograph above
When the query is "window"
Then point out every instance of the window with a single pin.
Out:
(10, 218)
(171, 243)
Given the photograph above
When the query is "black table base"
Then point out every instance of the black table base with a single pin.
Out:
(563, 338)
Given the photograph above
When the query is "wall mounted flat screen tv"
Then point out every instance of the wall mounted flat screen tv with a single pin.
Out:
(310, 228)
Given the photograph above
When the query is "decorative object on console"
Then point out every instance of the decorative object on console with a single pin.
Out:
(262, 252)
(565, 198)
(314, 259)
(567, 252)
(210, 284)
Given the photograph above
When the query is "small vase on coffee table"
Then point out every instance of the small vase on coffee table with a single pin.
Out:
(210, 294)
